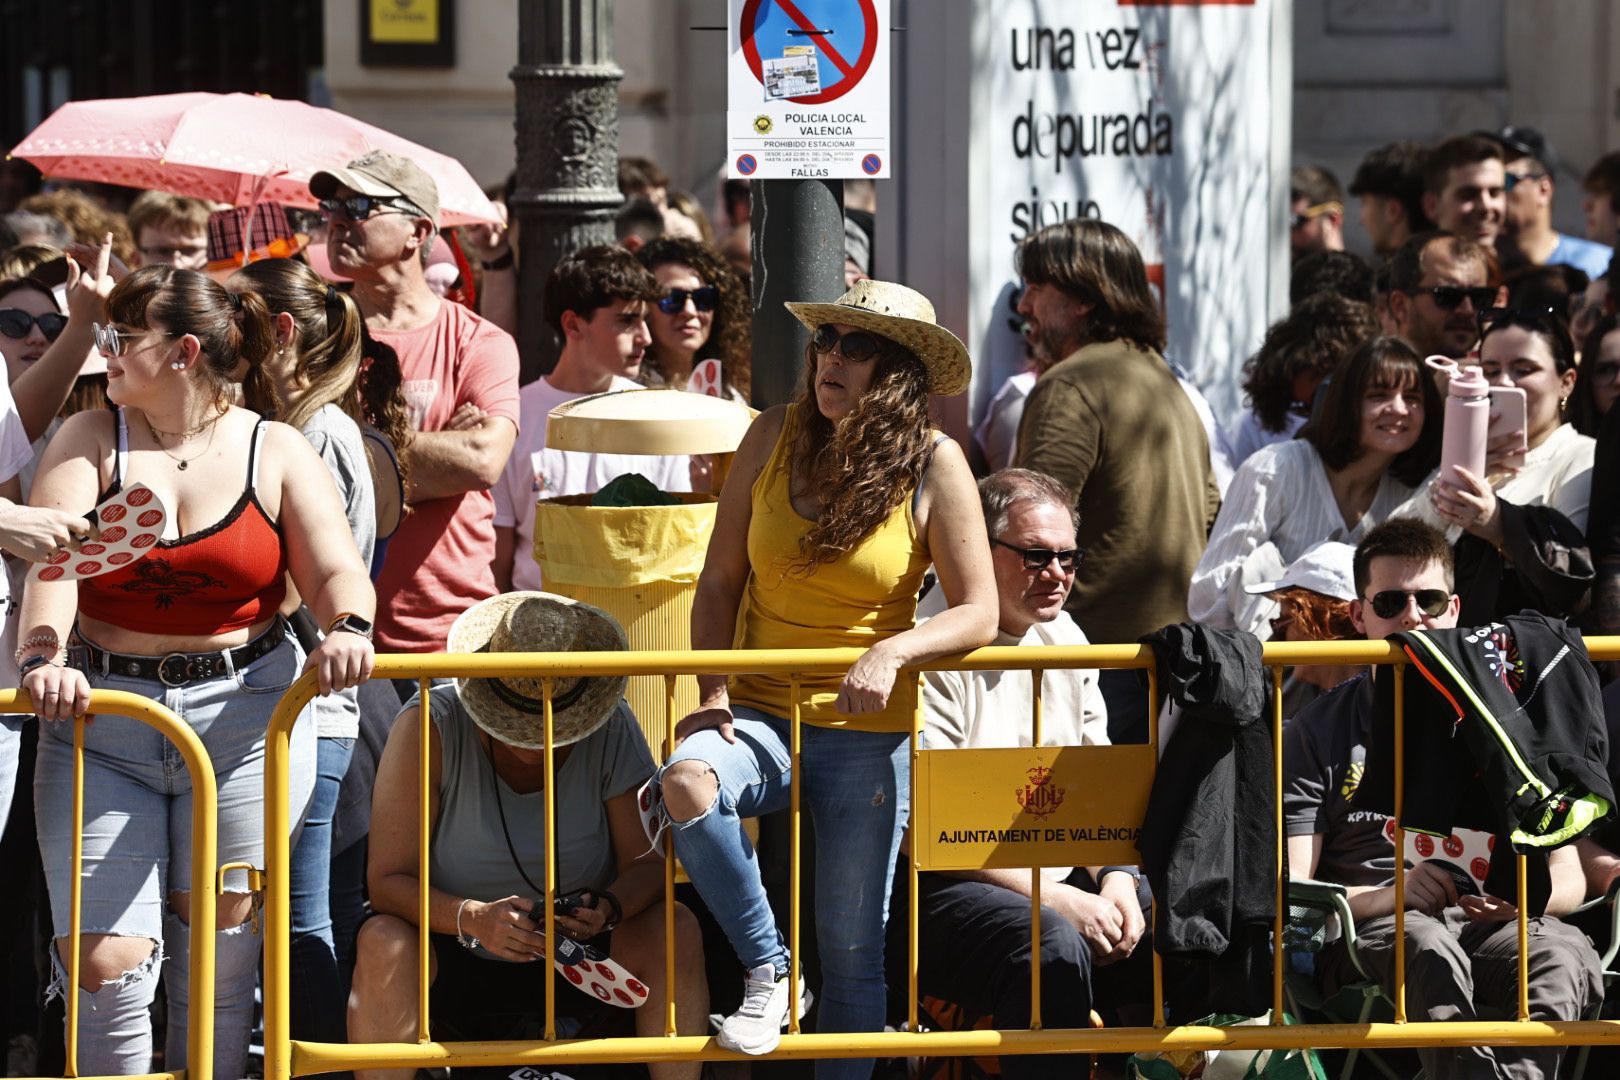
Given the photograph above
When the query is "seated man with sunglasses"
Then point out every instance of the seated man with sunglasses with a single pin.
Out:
(975, 925)
(1437, 288)
(596, 299)
(1462, 947)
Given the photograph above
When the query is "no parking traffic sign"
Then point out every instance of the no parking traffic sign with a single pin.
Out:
(808, 89)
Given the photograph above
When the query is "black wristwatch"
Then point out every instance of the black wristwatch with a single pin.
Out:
(350, 623)
(500, 262)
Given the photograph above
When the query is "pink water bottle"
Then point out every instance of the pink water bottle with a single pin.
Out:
(1468, 418)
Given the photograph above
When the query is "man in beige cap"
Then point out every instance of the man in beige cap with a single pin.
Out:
(460, 383)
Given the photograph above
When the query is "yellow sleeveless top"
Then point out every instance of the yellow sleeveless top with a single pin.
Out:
(867, 595)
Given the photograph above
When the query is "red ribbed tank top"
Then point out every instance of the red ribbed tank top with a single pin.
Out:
(228, 576)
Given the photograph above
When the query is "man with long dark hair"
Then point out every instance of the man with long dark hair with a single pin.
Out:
(1109, 420)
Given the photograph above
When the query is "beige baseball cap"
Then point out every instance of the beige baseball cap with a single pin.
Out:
(381, 174)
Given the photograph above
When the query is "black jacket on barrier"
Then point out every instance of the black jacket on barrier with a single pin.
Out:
(1209, 839)
(1504, 731)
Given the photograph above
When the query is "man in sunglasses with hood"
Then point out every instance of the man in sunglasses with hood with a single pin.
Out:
(1462, 944)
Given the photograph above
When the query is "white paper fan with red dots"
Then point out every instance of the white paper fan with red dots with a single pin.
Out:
(129, 524)
(594, 973)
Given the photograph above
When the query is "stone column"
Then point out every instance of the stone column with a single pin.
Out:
(567, 152)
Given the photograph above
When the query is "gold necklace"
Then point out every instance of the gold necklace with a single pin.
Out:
(180, 462)
(183, 435)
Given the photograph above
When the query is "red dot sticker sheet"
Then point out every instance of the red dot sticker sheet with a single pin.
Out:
(130, 525)
(1468, 850)
(606, 980)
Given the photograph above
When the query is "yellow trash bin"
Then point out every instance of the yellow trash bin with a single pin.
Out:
(641, 563)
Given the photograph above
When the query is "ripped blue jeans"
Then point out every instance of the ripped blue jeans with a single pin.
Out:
(137, 850)
(857, 787)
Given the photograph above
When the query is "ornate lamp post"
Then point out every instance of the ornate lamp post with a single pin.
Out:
(567, 151)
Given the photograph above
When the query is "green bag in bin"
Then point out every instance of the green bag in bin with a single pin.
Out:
(1228, 1064)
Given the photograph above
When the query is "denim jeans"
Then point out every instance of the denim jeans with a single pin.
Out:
(319, 994)
(137, 849)
(856, 785)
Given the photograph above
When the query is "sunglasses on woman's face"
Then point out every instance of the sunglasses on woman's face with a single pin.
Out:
(1391, 602)
(703, 298)
(857, 346)
(16, 323)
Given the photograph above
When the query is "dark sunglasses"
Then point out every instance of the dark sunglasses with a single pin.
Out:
(1041, 558)
(703, 298)
(1391, 602)
(1510, 180)
(361, 207)
(15, 323)
(1450, 297)
(857, 346)
(1535, 317)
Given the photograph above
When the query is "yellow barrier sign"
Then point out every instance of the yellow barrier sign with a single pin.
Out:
(1045, 806)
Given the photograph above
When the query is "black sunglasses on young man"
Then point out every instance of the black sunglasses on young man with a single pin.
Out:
(1041, 558)
(704, 298)
(1450, 297)
(15, 323)
(1391, 602)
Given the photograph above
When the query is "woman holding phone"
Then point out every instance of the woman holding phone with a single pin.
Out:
(1520, 531)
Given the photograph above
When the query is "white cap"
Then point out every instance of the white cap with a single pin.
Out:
(1327, 568)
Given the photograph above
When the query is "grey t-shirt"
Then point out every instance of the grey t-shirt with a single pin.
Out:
(469, 853)
(336, 437)
(1324, 752)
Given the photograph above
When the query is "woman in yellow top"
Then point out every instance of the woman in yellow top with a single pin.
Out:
(834, 508)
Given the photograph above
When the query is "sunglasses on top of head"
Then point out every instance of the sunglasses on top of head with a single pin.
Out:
(15, 323)
(1391, 602)
(361, 207)
(704, 298)
(857, 346)
(1535, 317)
(1450, 297)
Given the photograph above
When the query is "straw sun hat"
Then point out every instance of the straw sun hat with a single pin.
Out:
(511, 709)
(904, 316)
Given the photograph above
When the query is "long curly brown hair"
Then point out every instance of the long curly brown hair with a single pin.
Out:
(863, 466)
(729, 331)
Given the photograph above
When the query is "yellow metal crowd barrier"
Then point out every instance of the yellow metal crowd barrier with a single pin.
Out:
(286, 1058)
(204, 837)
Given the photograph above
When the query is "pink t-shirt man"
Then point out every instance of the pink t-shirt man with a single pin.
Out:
(438, 562)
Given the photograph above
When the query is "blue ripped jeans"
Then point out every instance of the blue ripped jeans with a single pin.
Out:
(856, 785)
(137, 850)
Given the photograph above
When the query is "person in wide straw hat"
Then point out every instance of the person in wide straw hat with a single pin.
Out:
(834, 508)
(487, 811)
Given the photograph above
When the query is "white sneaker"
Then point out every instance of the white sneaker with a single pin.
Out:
(756, 1027)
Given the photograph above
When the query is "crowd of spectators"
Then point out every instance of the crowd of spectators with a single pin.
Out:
(344, 454)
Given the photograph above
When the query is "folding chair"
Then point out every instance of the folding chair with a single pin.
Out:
(1608, 901)
(1318, 913)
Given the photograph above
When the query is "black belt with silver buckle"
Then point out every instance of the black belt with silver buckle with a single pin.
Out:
(181, 668)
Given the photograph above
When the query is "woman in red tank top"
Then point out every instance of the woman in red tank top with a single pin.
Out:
(194, 624)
